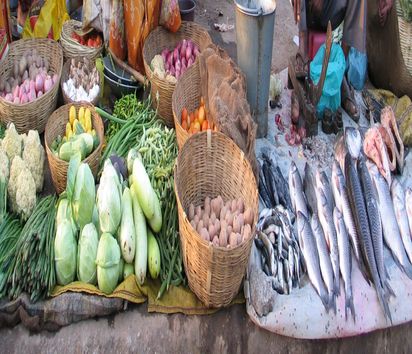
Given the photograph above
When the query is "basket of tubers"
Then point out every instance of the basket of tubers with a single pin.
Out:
(80, 81)
(29, 83)
(217, 207)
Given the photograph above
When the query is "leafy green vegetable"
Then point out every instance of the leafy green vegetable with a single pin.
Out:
(86, 259)
(406, 6)
(84, 196)
(65, 249)
(71, 175)
(107, 260)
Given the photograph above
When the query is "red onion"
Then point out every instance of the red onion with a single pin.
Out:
(196, 51)
(175, 55)
(9, 97)
(39, 94)
(39, 82)
(188, 52)
(24, 99)
(183, 48)
(32, 95)
(189, 62)
(16, 91)
(48, 84)
(55, 78)
(16, 100)
(165, 52)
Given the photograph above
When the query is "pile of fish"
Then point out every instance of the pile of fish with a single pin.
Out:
(281, 257)
(358, 208)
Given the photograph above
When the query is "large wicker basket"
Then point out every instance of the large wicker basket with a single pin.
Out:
(186, 94)
(32, 115)
(211, 164)
(158, 40)
(72, 48)
(65, 77)
(56, 126)
(405, 38)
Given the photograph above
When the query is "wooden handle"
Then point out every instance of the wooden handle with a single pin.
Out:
(138, 76)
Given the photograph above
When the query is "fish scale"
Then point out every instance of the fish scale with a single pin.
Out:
(362, 224)
(296, 191)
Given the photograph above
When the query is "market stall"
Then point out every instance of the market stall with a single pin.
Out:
(130, 172)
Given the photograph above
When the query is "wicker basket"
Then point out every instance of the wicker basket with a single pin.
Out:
(65, 77)
(405, 38)
(211, 164)
(32, 115)
(186, 94)
(57, 126)
(158, 40)
(72, 48)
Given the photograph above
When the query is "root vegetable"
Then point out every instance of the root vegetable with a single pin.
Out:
(22, 65)
(211, 230)
(175, 54)
(215, 241)
(7, 87)
(205, 219)
(223, 238)
(233, 205)
(191, 211)
(223, 213)
(16, 91)
(39, 94)
(236, 224)
(48, 84)
(16, 100)
(190, 62)
(204, 234)
(200, 226)
(24, 99)
(239, 239)
(229, 229)
(196, 218)
(193, 224)
(199, 211)
(240, 205)
(39, 83)
(247, 232)
(229, 219)
(248, 216)
(9, 97)
(212, 217)
(217, 226)
(233, 240)
(32, 95)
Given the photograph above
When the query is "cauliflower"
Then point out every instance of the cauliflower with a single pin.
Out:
(4, 166)
(4, 176)
(25, 194)
(12, 143)
(33, 156)
(21, 188)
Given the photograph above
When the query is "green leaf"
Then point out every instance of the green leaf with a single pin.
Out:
(71, 175)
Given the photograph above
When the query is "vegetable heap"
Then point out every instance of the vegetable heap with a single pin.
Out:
(28, 261)
(22, 170)
(32, 78)
(83, 83)
(158, 150)
(171, 64)
(222, 224)
(80, 136)
(92, 40)
(196, 121)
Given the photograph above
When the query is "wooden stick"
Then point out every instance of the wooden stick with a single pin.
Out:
(138, 76)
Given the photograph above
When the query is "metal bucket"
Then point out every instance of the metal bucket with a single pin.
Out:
(254, 32)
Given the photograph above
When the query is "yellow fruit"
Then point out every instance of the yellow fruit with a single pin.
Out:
(88, 120)
(72, 114)
(81, 115)
(69, 131)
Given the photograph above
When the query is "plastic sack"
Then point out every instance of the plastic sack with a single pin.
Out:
(97, 14)
(170, 15)
(117, 40)
(45, 19)
(357, 64)
(334, 76)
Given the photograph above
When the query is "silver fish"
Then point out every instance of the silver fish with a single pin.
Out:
(270, 251)
(353, 141)
(296, 191)
(326, 220)
(324, 259)
(391, 231)
(281, 278)
(345, 260)
(335, 183)
(309, 183)
(310, 253)
(408, 200)
(291, 260)
(360, 216)
(322, 183)
(398, 197)
(339, 185)
(287, 276)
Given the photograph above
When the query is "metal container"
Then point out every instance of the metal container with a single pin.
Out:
(254, 32)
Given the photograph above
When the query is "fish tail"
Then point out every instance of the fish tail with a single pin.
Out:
(363, 270)
(349, 305)
(388, 288)
(408, 270)
(332, 302)
(324, 298)
(383, 303)
(336, 286)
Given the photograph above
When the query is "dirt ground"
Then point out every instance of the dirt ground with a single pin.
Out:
(229, 330)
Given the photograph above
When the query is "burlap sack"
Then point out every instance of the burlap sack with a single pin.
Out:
(223, 86)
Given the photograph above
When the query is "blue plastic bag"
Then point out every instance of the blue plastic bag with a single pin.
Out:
(334, 76)
(357, 65)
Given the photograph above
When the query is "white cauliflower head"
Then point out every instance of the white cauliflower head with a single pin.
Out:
(12, 143)
(34, 156)
(17, 165)
(25, 194)
(4, 166)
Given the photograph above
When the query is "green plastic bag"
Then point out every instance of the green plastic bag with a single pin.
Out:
(334, 76)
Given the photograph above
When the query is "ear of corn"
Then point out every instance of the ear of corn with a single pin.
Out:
(72, 114)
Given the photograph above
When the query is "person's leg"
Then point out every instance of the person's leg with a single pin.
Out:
(302, 55)
(354, 28)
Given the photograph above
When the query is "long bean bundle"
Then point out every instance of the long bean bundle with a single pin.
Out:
(130, 130)
(31, 268)
(158, 149)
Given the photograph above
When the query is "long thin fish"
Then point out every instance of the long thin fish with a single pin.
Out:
(311, 256)
(345, 261)
(296, 191)
(326, 220)
(374, 218)
(353, 141)
(362, 225)
(309, 183)
(391, 231)
(322, 183)
(398, 197)
(324, 260)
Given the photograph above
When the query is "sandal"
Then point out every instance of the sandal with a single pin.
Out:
(348, 100)
(301, 66)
